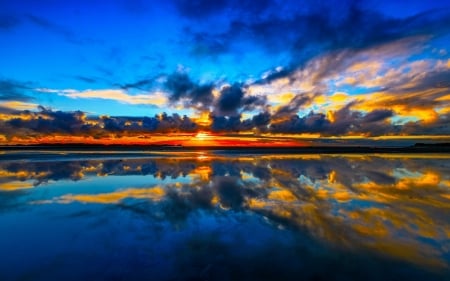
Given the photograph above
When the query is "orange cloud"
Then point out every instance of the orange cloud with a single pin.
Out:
(155, 194)
(18, 105)
(15, 185)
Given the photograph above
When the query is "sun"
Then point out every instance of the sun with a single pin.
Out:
(201, 136)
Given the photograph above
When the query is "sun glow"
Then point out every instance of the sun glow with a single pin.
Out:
(201, 136)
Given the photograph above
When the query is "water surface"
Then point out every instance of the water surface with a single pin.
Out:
(221, 216)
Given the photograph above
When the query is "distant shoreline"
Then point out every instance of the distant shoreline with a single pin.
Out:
(417, 148)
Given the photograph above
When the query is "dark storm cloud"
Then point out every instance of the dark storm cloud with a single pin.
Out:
(181, 87)
(13, 91)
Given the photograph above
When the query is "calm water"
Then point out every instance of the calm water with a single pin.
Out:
(222, 216)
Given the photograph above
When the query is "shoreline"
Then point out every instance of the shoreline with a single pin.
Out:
(418, 148)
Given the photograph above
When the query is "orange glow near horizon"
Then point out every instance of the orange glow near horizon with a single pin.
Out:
(201, 138)
(188, 140)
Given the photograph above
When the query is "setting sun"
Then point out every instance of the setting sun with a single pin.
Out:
(202, 136)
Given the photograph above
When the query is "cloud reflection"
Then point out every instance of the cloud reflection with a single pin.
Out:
(391, 206)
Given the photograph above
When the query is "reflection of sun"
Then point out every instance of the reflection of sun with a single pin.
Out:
(200, 136)
(202, 157)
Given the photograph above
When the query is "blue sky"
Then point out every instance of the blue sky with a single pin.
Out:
(115, 57)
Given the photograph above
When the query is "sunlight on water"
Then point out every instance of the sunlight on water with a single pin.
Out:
(214, 216)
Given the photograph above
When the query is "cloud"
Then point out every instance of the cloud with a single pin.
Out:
(294, 105)
(438, 126)
(344, 121)
(153, 194)
(230, 191)
(159, 124)
(193, 95)
(6, 111)
(154, 98)
(233, 100)
(11, 90)
(408, 75)
(176, 123)
(377, 115)
(89, 80)
(383, 89)
(311, 123)
(346, 69)
(46, 122)
(50, 121)
(142, 84)
(259, 121)
(421, 105)
(314, 29)
(68, 34)
(225, 123)
(229, 100)
(390, 82)
(18, 105)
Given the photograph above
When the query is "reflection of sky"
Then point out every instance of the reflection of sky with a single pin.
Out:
(220, 217)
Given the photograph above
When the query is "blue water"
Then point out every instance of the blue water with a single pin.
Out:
(208, 216)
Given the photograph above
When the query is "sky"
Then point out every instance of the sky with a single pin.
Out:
(224, 72)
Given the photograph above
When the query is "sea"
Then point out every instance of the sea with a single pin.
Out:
(223, 215)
